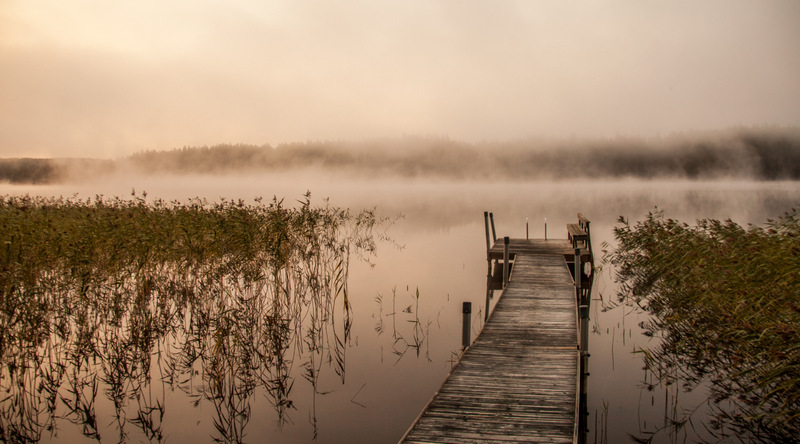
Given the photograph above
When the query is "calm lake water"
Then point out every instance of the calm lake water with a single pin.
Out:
(406, 324)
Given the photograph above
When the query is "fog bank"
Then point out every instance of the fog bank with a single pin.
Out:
(745, 153)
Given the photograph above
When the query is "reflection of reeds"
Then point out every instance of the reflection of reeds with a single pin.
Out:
(95, 295)
(602, 428)
(415, 338)
(379, 323)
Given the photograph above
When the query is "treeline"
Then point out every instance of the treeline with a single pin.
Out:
(34, 171)
(746, 153)
(46, 171)
(761, 154)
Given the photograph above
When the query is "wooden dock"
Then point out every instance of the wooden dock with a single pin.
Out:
(519, 380)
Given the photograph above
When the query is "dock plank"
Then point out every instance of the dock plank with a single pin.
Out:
(518, 381)
(536, 247)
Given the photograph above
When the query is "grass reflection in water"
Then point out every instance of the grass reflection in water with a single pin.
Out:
(116, 302)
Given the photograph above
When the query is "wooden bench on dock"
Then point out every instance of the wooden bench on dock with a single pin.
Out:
(580, 232)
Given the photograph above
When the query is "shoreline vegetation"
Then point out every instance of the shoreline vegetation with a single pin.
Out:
(769, 153)
(725, 302)
(118, 301)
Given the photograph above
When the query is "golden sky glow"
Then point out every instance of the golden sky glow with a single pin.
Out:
(100, 78)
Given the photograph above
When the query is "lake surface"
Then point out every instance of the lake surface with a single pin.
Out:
(406, 306)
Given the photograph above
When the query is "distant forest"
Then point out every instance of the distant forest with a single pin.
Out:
(48, 171)
(745, 153)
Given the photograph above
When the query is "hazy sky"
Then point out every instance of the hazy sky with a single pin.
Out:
(108, 78)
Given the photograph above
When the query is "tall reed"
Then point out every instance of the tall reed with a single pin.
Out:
(216, 298)
(726, 301)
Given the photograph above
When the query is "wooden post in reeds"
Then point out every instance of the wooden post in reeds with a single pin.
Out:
(466, 310)
(506, 241)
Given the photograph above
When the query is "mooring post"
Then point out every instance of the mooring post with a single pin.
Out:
(527, 233)
(466, 310)
(506, 240)
(491, 219)
(545, 228)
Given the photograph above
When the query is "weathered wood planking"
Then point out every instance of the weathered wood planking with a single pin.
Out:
(518, 380)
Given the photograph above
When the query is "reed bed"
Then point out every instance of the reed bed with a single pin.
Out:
(127, 299)
(725, 301)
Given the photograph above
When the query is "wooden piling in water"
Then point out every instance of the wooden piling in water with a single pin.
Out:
(466, 310)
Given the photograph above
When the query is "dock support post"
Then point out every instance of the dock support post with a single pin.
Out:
(466, 310)
(588, 237)
(583, 395)
(527, 232)
(506, 240)
(545, 228)
(488, 266)
(584, 372)
(583, 326)
(488, 239)
(584, 321)
(491, 219)
(489, 291)
(578, 275)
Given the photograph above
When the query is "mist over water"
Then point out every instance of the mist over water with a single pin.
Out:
(770, 153)
(438, 252)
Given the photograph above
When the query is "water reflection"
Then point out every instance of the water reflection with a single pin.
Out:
(445, 258)
(82, 342)
(216, 339)
(409, 333)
